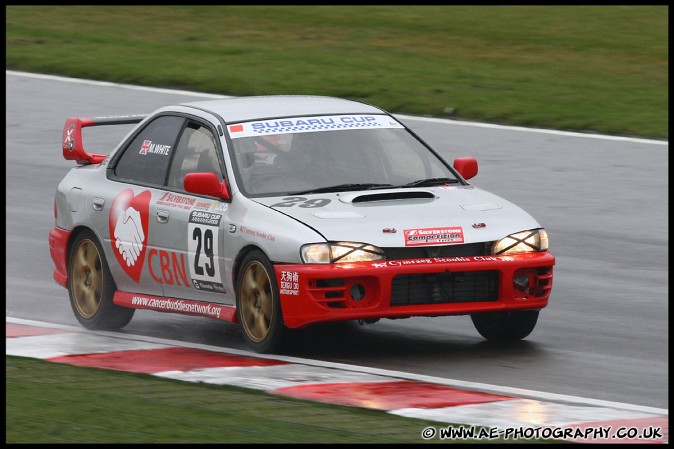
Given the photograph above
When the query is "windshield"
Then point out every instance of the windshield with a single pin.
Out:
(331, 153)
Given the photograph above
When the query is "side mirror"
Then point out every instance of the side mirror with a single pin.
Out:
(206, 184)
(466, 166)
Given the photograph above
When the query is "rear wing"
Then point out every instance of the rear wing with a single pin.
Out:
(72, 136)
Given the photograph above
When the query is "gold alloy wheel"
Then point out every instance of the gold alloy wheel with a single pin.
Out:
(256, 301)
(86, 279)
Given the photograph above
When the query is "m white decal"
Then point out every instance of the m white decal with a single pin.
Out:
(154, 148)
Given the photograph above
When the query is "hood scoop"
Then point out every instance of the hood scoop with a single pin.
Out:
(387, 196)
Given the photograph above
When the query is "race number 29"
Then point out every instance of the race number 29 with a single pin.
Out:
(207, 246)
(202, 245)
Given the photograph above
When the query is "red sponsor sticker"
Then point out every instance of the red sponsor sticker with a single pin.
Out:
(235, 128)
(433, 236)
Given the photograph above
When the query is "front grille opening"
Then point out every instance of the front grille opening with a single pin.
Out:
(325, 283)
(447, 287)
(336, 305)
(543, 281)
(326, 291)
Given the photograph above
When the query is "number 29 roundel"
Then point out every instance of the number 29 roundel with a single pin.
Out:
(202, 245)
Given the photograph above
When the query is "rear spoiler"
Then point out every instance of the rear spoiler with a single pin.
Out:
(72, 136)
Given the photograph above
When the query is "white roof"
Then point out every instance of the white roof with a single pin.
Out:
(238, 109)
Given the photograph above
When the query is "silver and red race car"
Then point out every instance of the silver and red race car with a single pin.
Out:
(279, 212)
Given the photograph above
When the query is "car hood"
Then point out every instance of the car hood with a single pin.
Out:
(385, 217)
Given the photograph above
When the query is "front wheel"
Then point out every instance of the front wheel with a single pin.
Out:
(91, 287)
(505, 326)
(257, 303)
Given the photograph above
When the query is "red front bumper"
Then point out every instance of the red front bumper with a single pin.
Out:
(413, 287)
(58, 248)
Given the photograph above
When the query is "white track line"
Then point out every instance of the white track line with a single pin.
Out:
(110, 84)
(534, 130)
(403, 117)
(496, 389)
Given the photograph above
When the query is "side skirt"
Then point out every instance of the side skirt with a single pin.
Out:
(175, 305)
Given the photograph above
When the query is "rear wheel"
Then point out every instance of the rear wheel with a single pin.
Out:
(257, 303)
(505, 326)
(91, 286)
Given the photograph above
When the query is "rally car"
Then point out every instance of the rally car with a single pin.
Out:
(279, 212)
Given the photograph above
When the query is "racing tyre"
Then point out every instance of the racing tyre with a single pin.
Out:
(257, 303)
(91, 286)
(505, 326)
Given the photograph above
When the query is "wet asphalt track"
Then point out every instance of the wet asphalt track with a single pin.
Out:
(603, 201)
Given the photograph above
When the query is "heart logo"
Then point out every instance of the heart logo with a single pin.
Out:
(129, 230)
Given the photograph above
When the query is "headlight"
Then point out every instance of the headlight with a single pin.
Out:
(340, 252)
(522, 242)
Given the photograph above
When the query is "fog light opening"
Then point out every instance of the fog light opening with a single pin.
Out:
(357, 292)
(521, 283)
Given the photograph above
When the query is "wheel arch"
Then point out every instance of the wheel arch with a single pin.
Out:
(259, 312)
(236, 268)
(76, 231)
(104, 315)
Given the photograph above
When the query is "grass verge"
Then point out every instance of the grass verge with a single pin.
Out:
(583, 68)
(57, 403)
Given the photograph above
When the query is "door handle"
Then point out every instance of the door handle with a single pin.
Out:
(162, 216)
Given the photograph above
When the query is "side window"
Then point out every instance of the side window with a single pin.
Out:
(196, 151)
(147, 157)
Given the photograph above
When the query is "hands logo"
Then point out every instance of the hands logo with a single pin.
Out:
(129, 230)
(129, 236)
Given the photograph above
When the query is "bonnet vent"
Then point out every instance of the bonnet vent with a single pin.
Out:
(388, 196)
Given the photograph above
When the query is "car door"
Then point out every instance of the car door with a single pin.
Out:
(136, 175)
(190, 263)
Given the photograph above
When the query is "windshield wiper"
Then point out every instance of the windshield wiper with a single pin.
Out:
(431, 182)
(343, 188)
